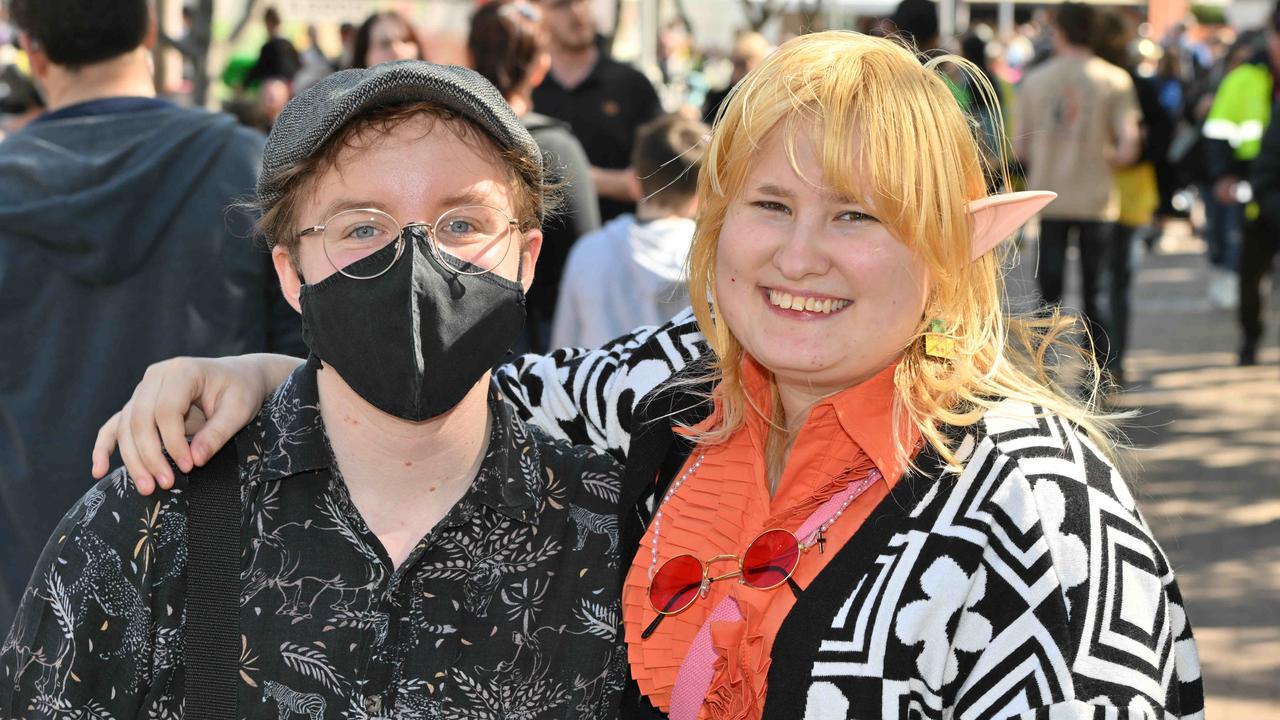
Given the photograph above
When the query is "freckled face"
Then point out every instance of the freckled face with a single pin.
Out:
(812, 285)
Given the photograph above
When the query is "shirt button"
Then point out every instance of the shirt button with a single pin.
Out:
(373, 704)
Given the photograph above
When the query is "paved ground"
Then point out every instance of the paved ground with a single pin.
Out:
(1207, 470)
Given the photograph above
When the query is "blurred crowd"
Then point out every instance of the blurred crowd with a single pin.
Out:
(1131, 128)
(551, 60)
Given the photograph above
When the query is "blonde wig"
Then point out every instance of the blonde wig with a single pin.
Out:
(889, 133)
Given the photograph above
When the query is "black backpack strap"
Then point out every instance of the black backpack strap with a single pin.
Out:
(212, 634)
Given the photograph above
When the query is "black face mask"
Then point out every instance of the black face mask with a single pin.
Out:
(413, 341)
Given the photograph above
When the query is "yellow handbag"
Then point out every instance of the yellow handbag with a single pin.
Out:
(1139, 194)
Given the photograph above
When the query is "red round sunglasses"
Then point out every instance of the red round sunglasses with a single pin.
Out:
(768, 562)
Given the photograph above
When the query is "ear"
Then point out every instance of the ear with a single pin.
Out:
(35, 55)
(529, 256)
(995, 218)
(633, 184)
(538, 71)
(290, 280)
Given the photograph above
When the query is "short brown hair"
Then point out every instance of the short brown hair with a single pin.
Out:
(506, 39)
(1078, 23)
(533, 197)
(667, 156)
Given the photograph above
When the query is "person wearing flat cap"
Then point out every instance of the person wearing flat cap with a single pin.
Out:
(408, 547)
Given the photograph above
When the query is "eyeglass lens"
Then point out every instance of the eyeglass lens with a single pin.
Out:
(676, 585)
(770, 559)
(353, 235)
(470, 240)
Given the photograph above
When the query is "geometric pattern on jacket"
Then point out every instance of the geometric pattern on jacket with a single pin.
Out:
(1027, 585)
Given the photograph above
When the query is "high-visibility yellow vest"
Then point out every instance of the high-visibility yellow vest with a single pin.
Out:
(1241, 110)
(1240, 113)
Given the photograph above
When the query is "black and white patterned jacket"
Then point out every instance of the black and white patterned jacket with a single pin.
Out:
(1028, 585)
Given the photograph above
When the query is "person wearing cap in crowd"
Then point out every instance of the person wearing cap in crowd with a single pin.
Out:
(916, 23)
(405, 554)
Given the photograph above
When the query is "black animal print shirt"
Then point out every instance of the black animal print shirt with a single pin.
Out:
(508, 608)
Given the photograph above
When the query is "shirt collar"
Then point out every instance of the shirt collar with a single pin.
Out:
(287, 438)
(587, 81)
(103, 106)
(864, 411)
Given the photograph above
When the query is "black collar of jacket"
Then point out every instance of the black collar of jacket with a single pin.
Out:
(287, 438)
(656, 453)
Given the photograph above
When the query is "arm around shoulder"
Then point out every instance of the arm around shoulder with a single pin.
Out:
(588, 396)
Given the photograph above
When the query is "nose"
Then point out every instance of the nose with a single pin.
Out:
(801, 252)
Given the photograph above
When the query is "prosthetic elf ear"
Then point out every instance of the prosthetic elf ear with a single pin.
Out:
(996, 217)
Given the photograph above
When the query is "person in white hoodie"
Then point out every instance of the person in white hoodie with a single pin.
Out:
(631, 272)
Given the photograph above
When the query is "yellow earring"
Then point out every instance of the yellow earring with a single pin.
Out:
(937, 344)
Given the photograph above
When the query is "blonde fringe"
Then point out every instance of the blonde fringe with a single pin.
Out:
(920, 155)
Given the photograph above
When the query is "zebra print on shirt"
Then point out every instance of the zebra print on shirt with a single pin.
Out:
(290, 701)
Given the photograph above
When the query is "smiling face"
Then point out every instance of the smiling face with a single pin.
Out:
(813, 286)
(417, 171)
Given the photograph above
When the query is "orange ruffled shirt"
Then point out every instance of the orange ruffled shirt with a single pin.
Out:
(725, 504)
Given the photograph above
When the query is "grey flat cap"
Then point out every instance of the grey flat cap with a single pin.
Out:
(316, 114)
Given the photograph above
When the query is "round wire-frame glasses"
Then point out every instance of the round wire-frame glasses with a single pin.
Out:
(767, 562)
(468, 240)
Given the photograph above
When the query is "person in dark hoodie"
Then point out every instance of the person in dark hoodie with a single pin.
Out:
(116, 250)
(1266, 179)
